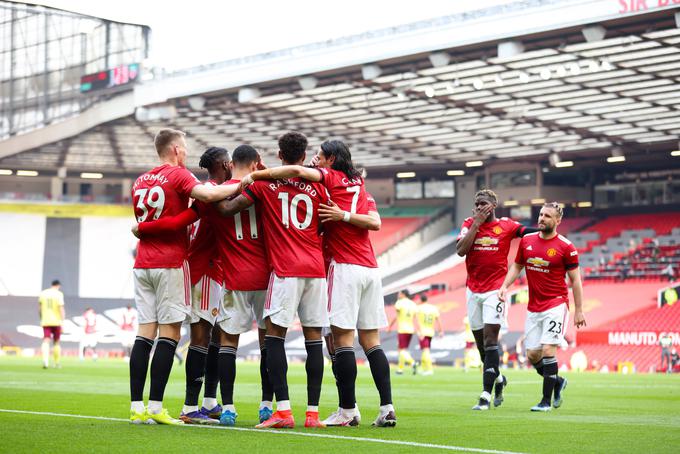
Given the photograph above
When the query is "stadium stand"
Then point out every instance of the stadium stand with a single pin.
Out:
(636, 246)
(393, 230)
(633, 339)
(399, 223)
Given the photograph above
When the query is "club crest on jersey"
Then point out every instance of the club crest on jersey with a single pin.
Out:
(497, 230)
(551, 252)
(537, 261)
(486, 241)
(214, 312)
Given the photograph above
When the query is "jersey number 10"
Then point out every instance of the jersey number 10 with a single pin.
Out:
(290, 212)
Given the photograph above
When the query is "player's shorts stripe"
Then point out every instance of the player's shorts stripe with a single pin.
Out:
(331, 272)
(565, 321)
(202, 291)
(187, 284)
(268, 301)
(205, 294)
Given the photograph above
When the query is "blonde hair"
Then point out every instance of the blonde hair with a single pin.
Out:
(165, 137)
(557, 207)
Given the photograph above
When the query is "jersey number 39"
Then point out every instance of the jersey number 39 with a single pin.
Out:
(153, 198)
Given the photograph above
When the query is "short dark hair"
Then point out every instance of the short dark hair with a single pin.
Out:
(165, 137)
(488, 193)
(406, 293)
(343, 157)
(292, 146)
(56, 282)
(245, 155)
(212, 156)
(423, 298)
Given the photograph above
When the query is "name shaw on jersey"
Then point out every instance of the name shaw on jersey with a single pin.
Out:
(301, 185)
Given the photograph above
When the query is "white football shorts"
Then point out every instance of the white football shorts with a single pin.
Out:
(546, 328)
(163, 295)
(485, 309)
(304, 296)
(240, 309)
(206, 296)
(355, 297)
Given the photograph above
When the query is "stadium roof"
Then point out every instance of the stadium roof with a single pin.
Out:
(558, 97)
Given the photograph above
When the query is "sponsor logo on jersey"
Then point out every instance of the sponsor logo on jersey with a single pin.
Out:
(551, 252)
(573, 253)
(537, 261)
(497, 230)
(486, 241)
(529, 248)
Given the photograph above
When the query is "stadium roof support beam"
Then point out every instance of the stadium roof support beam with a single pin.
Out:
(63, 152)
(115, 147)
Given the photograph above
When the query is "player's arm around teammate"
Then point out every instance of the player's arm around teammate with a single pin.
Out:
(229, 207)
(332, 212)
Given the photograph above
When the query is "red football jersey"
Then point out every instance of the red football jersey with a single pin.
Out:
(90, 322)
(161, 192)
(546, 263)
(290, 211)
(240, 240)
(204, 260)
(129, 320)
(487, 260)
(348, 243)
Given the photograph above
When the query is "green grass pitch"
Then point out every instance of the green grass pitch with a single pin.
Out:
(601, 413)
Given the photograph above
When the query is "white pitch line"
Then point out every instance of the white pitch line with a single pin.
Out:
(279, 432)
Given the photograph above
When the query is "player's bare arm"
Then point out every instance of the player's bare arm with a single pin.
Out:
(332, 212)
(440, 328)
(513, 272)
(283, 172)
(230, 207)
(479, 215)
(577, 289)
(210, 193)
(394, 319)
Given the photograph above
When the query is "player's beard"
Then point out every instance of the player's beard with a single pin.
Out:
(547, 229)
